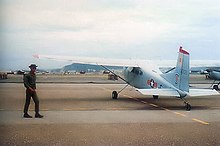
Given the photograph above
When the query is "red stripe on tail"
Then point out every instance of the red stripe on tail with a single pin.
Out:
(183, 51)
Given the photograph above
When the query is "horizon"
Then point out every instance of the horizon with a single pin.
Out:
(150, 30)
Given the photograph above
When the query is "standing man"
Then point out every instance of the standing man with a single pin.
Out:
(30, 84)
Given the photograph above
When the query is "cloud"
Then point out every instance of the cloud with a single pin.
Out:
(101, 26)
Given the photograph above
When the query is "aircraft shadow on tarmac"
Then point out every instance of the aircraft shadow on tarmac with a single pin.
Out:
(132, 104)
(128, 100)
(175, 104)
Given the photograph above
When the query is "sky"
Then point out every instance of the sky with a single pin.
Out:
(142, 29)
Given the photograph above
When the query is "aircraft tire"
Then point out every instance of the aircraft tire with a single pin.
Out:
(216, 87)
(155, 96)
(188, 107)
(114, 95)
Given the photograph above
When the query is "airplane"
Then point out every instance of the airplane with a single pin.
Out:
(214, 75)
(211, 72)
(147, 77)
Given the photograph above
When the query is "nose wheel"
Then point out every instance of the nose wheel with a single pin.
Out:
(114, 95)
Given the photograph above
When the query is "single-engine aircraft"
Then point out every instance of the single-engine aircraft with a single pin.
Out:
(147, 78)
(214, 75)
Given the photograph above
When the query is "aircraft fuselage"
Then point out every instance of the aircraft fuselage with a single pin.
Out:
(215, 75)
(142, 78)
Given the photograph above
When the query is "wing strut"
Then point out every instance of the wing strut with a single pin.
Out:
(115, 74)
(115, 93)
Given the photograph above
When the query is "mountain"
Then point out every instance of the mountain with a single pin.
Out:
(77, 67)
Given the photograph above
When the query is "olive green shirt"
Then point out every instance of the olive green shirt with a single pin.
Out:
(30, 80)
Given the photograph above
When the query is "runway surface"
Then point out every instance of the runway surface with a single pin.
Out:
(85, 114)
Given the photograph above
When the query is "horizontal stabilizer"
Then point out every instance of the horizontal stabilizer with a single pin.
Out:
(172, 92)
(159, 92)
(202, 92)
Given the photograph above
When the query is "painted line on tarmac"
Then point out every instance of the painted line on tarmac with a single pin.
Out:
(144, 102)
(215, 107)
(180, 114)
(176, 113)
(154, 105)
(200, 121)
(67, 109)
(157, 106)
(164, 109)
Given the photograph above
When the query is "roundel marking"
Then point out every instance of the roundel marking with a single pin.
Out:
(152, 83)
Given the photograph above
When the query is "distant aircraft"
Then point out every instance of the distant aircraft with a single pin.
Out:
(147, 78)
(214, 75)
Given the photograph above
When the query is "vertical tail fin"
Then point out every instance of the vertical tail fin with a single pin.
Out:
(182, 71)
(180, 76)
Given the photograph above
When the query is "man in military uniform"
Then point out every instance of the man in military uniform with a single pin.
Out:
(30, 84)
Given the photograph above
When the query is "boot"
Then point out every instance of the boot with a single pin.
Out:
(37, 115)
(26, 115)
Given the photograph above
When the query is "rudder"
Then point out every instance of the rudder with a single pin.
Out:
(182, 71)
(179, 77)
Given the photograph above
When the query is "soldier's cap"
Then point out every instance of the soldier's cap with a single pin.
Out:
(32, 65)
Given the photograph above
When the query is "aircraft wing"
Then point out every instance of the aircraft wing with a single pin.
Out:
(128, 62)
(94, 60)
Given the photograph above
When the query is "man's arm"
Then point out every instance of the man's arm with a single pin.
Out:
(26, 83)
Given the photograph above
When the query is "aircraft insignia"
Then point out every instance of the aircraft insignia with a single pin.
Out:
(152, 83)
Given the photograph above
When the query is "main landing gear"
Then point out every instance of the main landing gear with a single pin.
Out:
(187, 105)
(215, 86)
(115, 93)
(155, 97)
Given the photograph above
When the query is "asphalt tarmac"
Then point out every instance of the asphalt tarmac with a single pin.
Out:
(85, 114)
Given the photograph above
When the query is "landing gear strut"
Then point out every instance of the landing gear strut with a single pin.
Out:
(115, 93)
(187, 105)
